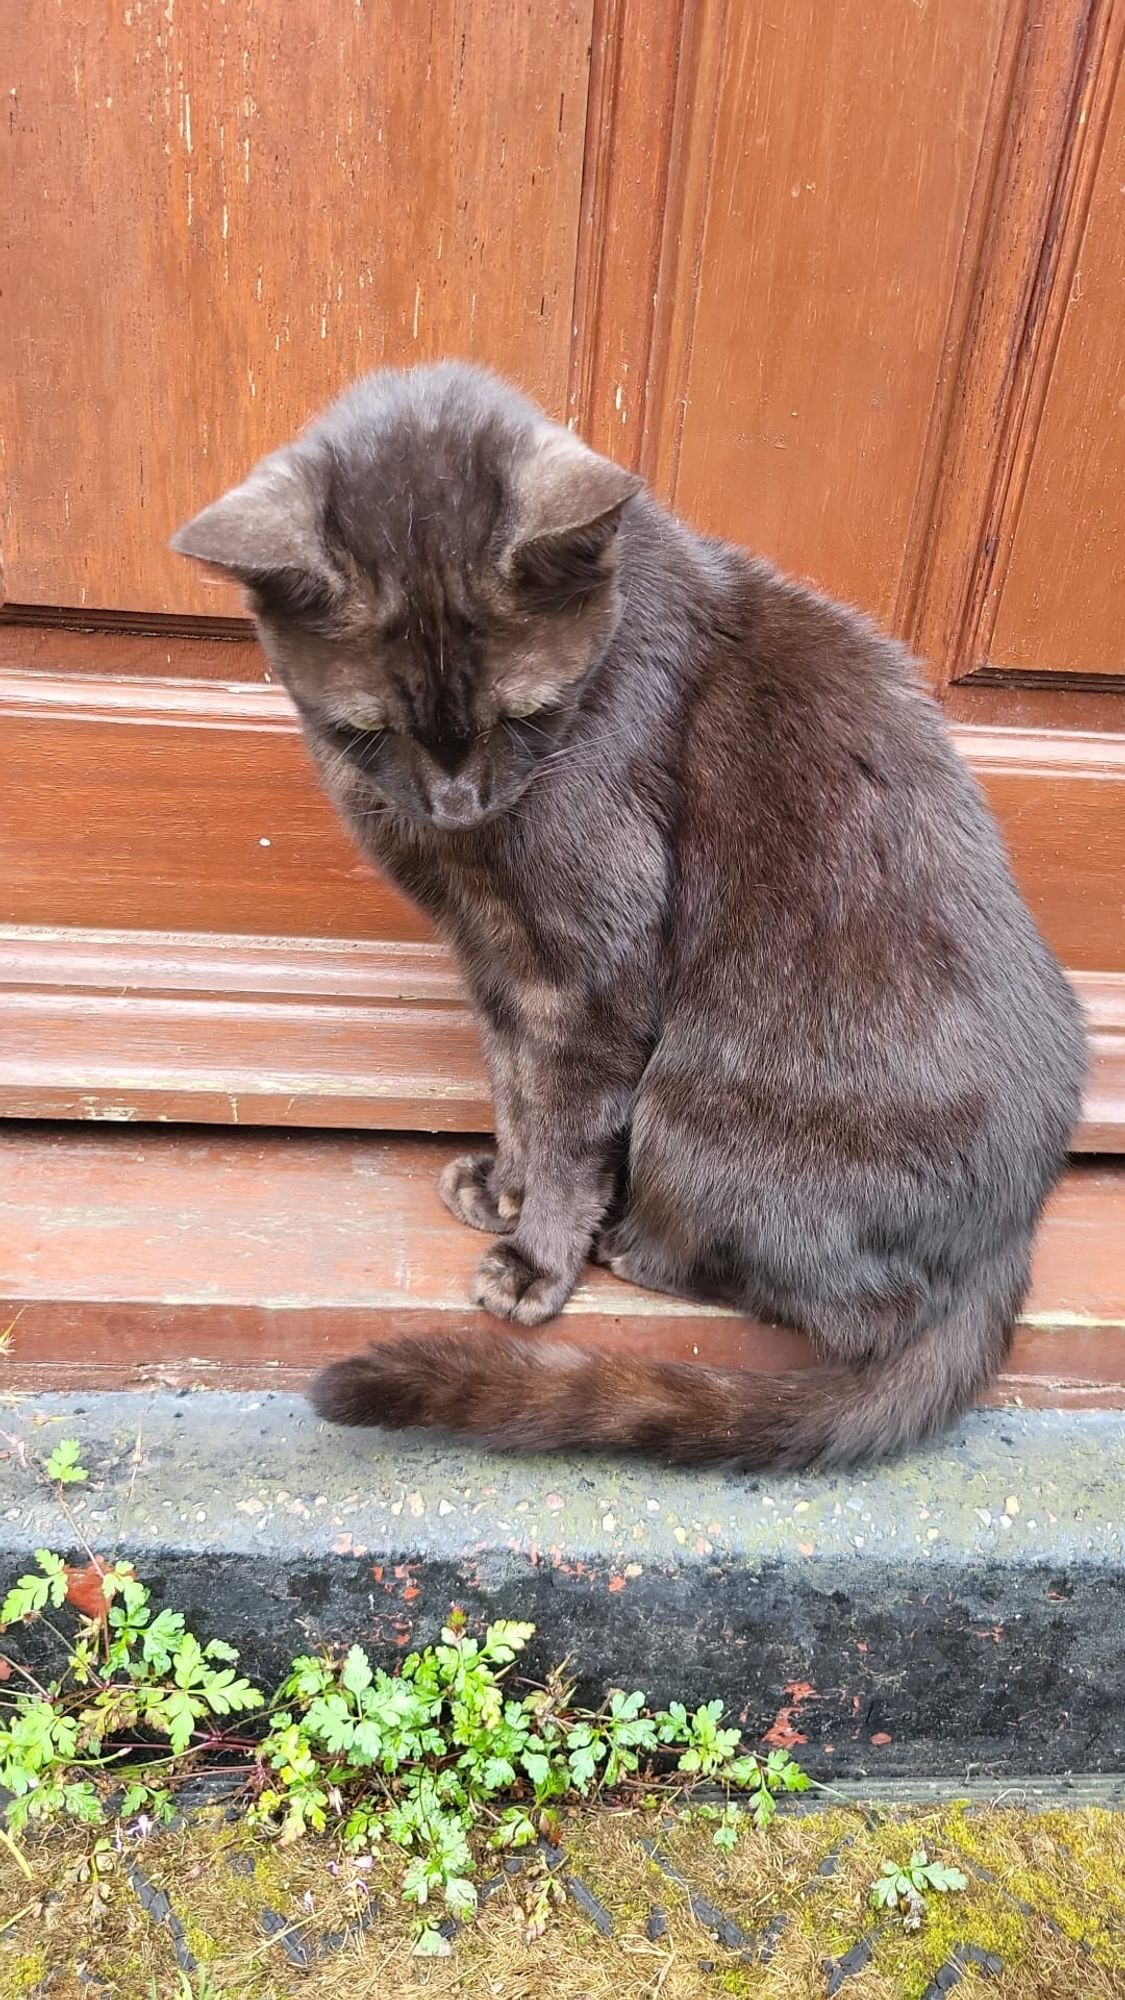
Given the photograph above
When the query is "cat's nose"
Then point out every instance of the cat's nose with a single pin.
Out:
(457, 804)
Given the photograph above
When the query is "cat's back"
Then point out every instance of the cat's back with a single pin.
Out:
(832, 838)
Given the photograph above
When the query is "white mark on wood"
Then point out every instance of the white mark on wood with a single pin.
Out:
(417, 307)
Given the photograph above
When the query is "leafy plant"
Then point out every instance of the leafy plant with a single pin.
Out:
(64, 1465)
(906, 1889)
(440, 1760)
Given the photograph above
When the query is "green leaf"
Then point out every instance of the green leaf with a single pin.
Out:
(460, 1896)
(496, 1773)
(64, 1465)
(189, 1665)
(505, 1639)
(537, 1765)
(32, 1594)
(227, 1695)
(947, 1881)
(430, 1944)
(356, 1675)
(161, 1640)
(331, 1719)
(175, 1713)
(81, 1802)
(307, 1677)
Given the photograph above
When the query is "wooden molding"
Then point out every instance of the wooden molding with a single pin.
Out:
(147, 1016)
(160, 699)
(693, 120)
(123, 1027)
(1103, 1122)
(128, 1026)
(1053, 96)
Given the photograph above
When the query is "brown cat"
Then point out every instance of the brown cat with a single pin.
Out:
(766, 1019)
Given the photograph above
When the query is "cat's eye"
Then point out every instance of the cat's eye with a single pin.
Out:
(522, 711)
(364, 730)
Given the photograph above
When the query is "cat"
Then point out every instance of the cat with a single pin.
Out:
(766, 1019)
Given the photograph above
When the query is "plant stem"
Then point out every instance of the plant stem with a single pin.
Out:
(16, 1855)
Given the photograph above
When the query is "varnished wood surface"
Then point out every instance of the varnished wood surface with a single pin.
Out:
(168, 804)
(812, 272)
(840, 277)
(250, 1259)
(1061, 605)
(1048, 96)
(217, 216)
(128, 1026)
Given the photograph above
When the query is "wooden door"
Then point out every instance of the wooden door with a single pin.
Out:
(842, 277)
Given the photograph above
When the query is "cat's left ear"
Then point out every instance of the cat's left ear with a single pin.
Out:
(268, 534)
(570, 504)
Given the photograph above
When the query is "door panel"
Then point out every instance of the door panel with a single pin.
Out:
(832, 226)
(840, 278)
(219, 215)
(1062, 601)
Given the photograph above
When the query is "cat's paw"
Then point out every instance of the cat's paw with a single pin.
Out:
(466, 1188)
(509, 1287)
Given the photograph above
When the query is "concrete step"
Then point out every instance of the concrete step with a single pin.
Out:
(962, 1613)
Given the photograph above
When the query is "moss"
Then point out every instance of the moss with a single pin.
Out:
(1073, 1861)
(26, 1971)
(1069, 1865)
(734, 1980)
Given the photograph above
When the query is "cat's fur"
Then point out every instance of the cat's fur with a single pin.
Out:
(766, 1018)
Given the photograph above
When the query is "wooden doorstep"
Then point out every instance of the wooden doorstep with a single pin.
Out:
(248, 1259)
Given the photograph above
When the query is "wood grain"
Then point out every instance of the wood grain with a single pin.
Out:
(121, 1027)
(190, 806)
(1061, 592)
(127, 1026)
(1051, 62)
(814, 270)
(629, 162)
(218, 215)
(316, 1243)
(172, 805)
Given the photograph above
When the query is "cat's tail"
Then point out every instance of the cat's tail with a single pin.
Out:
(544, 1395)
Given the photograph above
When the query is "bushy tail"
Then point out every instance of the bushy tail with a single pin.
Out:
(542, 1395)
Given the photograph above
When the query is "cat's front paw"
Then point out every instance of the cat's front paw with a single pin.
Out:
(467, 1187)
(509, 1286)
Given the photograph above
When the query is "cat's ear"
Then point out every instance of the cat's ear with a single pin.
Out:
(570, 501)
(268, 534)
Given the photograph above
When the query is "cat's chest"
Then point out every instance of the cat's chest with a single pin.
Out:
(534, 908)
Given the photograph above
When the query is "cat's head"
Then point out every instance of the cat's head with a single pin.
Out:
(433, 571)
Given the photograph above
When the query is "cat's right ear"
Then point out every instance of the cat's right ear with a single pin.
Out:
(267, 534)
(570, 505)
